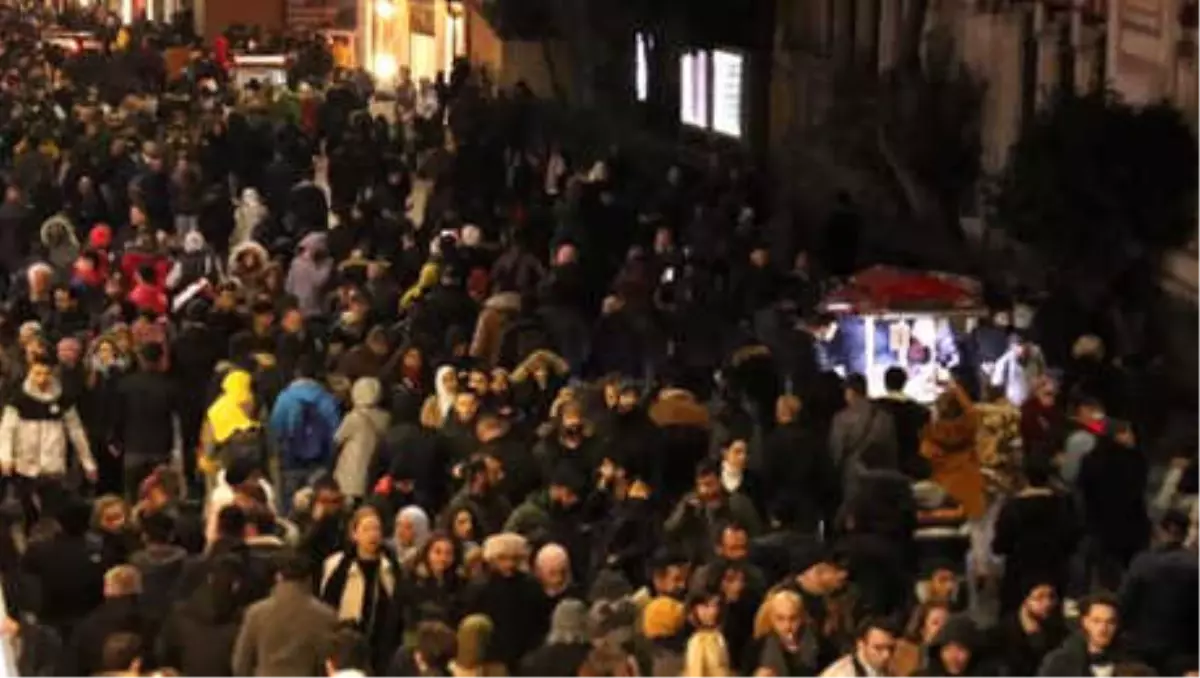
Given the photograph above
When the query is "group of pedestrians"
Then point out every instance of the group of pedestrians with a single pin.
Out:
(291, 390)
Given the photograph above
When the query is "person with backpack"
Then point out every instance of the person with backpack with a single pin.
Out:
(302, 425)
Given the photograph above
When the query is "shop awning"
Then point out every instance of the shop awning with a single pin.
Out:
(882, 290)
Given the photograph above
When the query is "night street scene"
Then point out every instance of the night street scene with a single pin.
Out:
(599, 338)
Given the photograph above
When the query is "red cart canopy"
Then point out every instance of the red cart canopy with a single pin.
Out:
(884, 289)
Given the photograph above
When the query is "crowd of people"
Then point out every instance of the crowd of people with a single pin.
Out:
(291, 390)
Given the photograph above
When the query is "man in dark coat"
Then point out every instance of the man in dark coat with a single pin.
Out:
(66, 570)
(1023, 638)
(121, 612)
(16, 228)
(510, 598)
(1093, 652)
(1111, 486)
(802, 487)
(910, 418)
(147, 429)
(1159, 595)
(1036, 532)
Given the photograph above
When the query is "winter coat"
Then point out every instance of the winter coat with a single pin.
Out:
(680, 442)
(1036, 532)
(248, 217)
(35, 430)
(359, 436)
(288, 410)
(697, 527)
(59, 242)
(343, 587)
(197, 639)
(555, 659)
(1158, 611)
(959, 630)
(862, 435)
(161, 567)
(69, 576)
(801, 483)
(116, 615)
(196, 262)
(309, 273)
(1021, 652)
(497, 315)
(285, 635)
(1112, 488)
(40, 651)
(910, 418)
(427, 599)
(950, 445)
(146, 407)
(249, 279)
(14, 235)
(1071, 659)
(513, 605)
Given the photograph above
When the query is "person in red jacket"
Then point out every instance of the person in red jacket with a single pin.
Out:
(147, 294)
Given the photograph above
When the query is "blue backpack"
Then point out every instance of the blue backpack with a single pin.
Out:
(311, 441)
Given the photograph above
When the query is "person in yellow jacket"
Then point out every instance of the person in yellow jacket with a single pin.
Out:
(231, 413)
(426, 280)
(122, 41)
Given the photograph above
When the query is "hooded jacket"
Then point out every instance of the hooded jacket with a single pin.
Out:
(358, 437)
(227, 415)
(197, 261)
(497, 314)
(161, 566)
(287, 415)
(309, 273)
(958, 630)
(34, 433)
(58, 238)
(248, 279)
(250, 213)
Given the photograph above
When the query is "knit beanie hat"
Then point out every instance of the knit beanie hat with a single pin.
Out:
(663, 617)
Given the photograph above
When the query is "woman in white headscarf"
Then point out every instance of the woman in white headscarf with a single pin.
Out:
(438, 405)
(411, 533)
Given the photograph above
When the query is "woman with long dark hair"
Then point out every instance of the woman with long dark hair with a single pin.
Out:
(433, 586)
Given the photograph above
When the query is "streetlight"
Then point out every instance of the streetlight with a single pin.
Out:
(384, 66)
(385, 9)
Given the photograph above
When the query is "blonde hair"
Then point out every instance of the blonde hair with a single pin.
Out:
(103, 504)
(707, 656)
(763, 626)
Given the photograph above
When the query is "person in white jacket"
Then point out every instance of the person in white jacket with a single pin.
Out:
(36, 429)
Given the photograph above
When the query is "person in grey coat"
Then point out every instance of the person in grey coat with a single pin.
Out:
(287, 633)
(862, 435)
(309, 273)
(358, 437)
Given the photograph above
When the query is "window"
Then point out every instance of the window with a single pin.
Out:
(641, 73)
(710, 94)
(693, 96)
(727, 93)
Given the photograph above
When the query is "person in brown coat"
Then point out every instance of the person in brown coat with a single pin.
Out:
(949, 443)
(287, 633)
(498, 312)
